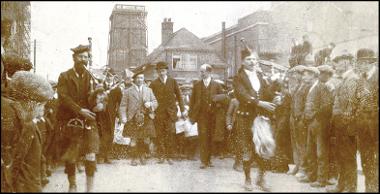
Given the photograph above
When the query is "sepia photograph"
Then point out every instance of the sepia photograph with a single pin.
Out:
(189, 96)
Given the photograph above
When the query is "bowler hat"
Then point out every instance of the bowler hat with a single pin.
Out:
(365, 54)
(162, 65)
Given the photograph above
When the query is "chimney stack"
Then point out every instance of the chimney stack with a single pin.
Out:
(166, 30)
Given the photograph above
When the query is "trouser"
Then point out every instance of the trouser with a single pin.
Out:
(219, 148)
(346, 157)
(205, 141)
(106, 139)
(317, 152)
(190, 146)
(298, 136)
(283, 144)
(369, 154)
(165, 137)
(332, 152)
(180, 144)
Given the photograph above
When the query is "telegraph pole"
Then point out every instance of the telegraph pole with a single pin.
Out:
(224, 51)
(34, 60)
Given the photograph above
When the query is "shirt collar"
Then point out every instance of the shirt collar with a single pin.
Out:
(207, 80)
(371, 72)
(139, 88)
(164, 79)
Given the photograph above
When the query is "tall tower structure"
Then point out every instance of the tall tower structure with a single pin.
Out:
(16, 27)
(127, 41)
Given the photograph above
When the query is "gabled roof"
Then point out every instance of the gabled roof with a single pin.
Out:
(182, 39)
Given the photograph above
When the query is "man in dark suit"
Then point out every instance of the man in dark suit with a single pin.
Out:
(254, 95)
(202, 111)
(106, 118)
(79, 124)
(167, 92)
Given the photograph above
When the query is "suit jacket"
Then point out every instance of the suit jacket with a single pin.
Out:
(196, 96)
(319, 104)
(72, 98)
(248, 97)
(299, 100)
(133, 102)
(167, 95)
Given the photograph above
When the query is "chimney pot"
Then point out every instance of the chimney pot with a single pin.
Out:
(170, 19)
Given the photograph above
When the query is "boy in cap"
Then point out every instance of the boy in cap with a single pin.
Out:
(139, 105)
(22, 149)
(79, 122)
(317, 116)
(167, 92)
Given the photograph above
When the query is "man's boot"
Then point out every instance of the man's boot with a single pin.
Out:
(72, 184)
(260, 181)
(89, 183)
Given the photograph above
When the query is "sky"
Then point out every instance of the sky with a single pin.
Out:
(59, 26)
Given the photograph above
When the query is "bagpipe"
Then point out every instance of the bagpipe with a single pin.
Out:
(99, 92)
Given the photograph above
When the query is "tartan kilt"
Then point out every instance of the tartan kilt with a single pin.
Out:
(146, 131)
(78, 142)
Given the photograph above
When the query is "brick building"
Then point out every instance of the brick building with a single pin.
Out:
(258, 31)
(350, 25)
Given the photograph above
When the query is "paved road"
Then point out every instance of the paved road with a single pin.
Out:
(183, 176)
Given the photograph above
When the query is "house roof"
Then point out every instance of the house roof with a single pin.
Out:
(182, 39)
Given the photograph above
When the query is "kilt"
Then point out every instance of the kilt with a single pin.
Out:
(146, 131)
(244, 140)
(78, 142)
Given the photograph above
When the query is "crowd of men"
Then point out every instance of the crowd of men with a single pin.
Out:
(321, 113)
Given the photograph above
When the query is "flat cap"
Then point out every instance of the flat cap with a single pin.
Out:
(162, 65)
(312, 70)
(344, 55)
(297, 69)
(325, 69)
(138, 72)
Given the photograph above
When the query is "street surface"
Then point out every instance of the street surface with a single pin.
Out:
(182, 176)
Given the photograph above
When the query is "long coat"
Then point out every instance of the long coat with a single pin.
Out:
(167, 95)
(73, 95)
(133, 102)
(21, 149)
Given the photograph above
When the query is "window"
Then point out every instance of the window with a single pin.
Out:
(184, 62)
